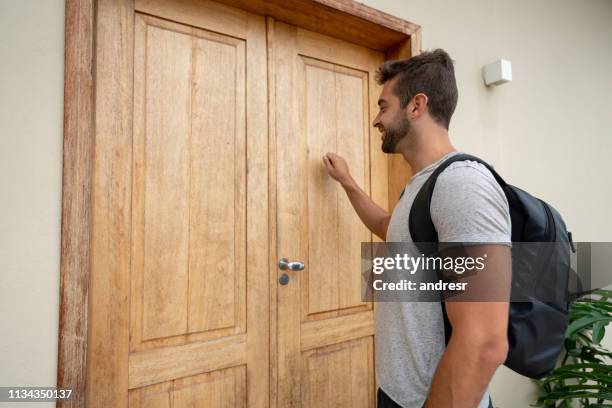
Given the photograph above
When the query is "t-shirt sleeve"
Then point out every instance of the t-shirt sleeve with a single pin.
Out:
(468, 205)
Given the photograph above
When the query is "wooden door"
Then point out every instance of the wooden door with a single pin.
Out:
(179, 312)
(324, 99)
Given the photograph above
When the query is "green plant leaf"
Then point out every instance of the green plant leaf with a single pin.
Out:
(575, 387)
(599, 330)
(585, 322)
(603, 293)
(553, 396)
(578, 366)
(557, 376)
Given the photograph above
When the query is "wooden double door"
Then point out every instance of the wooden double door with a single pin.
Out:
(230, 114)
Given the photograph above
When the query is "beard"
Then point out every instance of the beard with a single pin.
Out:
(395, 132)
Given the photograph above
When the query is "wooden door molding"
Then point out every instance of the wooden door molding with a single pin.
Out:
(343, 19)
(76, 198)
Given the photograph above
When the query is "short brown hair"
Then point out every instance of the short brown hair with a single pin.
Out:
(431, 73)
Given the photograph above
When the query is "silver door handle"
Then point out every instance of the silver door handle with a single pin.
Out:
(284, 264)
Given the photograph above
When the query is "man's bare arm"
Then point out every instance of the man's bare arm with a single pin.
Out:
(373, 216)
(478, 343)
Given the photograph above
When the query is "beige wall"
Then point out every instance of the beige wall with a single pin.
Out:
(548, 131)
(31, 109)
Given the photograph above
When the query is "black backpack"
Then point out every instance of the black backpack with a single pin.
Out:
(536, 329)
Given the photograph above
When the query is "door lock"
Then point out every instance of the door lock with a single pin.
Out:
(283, 279)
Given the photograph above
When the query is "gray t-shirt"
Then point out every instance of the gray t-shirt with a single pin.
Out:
(467, 205)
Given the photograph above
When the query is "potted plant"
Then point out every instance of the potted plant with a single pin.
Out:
(584, 377)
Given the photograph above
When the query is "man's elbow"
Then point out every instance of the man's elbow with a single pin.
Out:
(484, 348)
(492, 351)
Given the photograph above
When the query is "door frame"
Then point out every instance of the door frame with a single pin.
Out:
(343, 19)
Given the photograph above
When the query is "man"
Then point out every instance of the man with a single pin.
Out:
(414, 367)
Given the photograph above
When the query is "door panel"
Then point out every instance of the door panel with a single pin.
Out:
(324, 93)
(188, 207)
(198, 312)
(334, 101)
(339, 375)
(219, 388)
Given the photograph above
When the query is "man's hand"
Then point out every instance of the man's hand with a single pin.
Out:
(338, 169)
(373, 216)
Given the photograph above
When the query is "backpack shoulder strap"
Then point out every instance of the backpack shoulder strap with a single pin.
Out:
(421, 226)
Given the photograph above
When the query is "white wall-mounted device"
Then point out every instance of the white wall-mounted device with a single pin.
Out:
(497, 73)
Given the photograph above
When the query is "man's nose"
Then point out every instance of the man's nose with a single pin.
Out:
(376, 122)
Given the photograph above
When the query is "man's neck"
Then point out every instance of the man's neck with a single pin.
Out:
(421, 154)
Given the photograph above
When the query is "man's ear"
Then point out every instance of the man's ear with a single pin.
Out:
(420, 101)
(417, 106)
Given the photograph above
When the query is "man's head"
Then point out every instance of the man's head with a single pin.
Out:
(418, 93)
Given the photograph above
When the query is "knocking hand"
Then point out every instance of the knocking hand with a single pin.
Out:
(337, 168)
